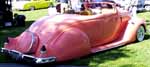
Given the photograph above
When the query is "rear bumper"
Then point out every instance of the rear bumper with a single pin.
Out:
(27, 58)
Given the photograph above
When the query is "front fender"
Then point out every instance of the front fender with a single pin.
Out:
(131, 29)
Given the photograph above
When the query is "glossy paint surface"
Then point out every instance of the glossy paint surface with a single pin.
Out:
(69, 36)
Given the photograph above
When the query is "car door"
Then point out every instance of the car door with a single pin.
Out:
(107, 27)
(111, 27)
(97, 36)
(96, 30)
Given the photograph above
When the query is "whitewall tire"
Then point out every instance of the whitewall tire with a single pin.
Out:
(140, 34)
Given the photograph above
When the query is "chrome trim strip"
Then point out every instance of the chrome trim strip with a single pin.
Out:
(32, 40)
(22, 56)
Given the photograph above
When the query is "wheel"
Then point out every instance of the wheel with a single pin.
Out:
(32, 8)
(147, 8)
(140, 34)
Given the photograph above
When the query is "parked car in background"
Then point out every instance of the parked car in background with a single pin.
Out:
(31, 4)
(141, 5)
(147, 5)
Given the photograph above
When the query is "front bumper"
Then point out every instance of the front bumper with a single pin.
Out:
(28, 58)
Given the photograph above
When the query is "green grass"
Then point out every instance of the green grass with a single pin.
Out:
(33, 15)
(145, 15)
(131, 55)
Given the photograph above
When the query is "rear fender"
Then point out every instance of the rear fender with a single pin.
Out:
(27, 42)
(72, 43)
(10, 43)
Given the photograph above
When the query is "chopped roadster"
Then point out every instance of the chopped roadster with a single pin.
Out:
(101, 26)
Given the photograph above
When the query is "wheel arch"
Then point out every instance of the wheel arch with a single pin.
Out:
(144, 27)
(138, 23)
(130, 32)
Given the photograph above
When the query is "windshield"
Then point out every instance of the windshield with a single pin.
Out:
(100, 5)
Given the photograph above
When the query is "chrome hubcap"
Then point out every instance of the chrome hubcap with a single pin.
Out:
(140, 33)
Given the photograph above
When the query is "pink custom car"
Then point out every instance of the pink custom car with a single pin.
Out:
(63, 37)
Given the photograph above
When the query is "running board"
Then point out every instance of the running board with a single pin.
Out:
(108, 46)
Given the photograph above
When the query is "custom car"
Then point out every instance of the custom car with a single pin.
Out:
(63, 37)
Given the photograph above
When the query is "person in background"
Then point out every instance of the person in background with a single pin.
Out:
(133, 8)
(130, 6)
(62, 6)
(19, 20)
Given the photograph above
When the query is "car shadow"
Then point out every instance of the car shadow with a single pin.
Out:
(147, 22)
(28, 23)
(147, 36)
(129, 65)
(100, 57)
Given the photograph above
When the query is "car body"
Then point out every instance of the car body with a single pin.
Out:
(63, 37)
(31, 4)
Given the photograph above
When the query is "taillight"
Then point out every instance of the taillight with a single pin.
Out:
(43, 49)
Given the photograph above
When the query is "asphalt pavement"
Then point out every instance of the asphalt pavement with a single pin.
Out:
(25, 65)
